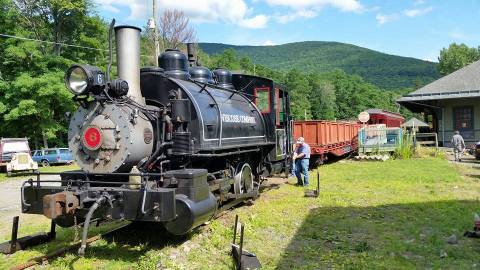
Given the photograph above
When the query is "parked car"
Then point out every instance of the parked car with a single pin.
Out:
(46, 157)
(477, 151)
(15, 155)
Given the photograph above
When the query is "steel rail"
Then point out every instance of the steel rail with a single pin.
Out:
(59, 252)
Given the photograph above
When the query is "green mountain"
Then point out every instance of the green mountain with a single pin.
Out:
(384, 70)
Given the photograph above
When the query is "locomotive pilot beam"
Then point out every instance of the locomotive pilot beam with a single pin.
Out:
(171, 144)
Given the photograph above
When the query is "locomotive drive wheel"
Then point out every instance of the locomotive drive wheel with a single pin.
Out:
(243, 179)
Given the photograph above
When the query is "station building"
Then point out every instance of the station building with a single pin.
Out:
(450, 103)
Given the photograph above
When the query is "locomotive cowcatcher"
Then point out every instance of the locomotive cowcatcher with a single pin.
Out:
(173, 144)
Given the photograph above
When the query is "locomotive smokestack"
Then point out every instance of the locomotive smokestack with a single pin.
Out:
(191, 54)
(128, 59)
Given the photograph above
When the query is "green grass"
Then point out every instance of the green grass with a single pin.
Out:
(396, 214)
(59, 168)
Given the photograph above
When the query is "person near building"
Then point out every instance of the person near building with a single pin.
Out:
(301, 158)
(458, 145)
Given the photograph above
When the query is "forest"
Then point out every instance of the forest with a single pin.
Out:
(41, 39)
(383, 70)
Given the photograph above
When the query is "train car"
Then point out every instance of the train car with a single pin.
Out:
(171, 144)
(390, 119)
(327, 138)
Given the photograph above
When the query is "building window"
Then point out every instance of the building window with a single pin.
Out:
(463, 118)
(263, 99)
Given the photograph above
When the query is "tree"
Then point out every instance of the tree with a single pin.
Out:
(300, 91)
(56, 20)
(33, 97)
(36, 106)
(228, 59)
(174, 30)
(455, 57)
(323, 98)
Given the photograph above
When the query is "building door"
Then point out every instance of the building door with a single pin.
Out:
(463, 121)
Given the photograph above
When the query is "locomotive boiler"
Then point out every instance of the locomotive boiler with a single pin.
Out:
(173, 144)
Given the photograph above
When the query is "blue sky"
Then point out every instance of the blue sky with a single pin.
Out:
(414, 28)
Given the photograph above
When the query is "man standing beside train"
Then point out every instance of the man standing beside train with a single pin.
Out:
(301, 158)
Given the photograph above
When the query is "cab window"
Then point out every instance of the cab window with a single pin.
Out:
(50, 152)
(262, 99)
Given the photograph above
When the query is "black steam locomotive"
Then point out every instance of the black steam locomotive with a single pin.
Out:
(173, 144)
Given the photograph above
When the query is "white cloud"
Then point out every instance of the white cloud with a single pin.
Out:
(111, 8)
(430, 59)
(137, 7)
(343, 5)
(384, 18)
(259, 21)
(295, 15)
(311, 8)
(269, 43)
(231, 11)
(462, 36)
(417, 12)
(418, 2)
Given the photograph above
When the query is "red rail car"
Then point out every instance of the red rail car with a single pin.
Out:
(327, 137)
(390, 119)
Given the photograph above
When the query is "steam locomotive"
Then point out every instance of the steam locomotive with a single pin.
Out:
(173, 144)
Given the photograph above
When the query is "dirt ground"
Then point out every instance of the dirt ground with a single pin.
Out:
(10, 202)
(467, 159)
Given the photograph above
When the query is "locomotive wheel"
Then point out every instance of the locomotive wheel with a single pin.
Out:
(243, 180)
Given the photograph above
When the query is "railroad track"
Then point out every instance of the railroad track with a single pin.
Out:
(61, 251)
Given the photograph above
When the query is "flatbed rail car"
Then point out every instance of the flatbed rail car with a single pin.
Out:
(337, 138)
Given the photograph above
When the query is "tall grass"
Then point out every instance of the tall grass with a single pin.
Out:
(405, 149)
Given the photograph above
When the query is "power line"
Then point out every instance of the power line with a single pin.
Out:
(58, 43)
(51, 42)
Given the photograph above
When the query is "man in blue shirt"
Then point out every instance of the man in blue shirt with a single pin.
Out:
(302, 158)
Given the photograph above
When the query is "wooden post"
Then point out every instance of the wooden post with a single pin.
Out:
(13, 241)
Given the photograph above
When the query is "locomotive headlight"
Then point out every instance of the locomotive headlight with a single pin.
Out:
(81, 79)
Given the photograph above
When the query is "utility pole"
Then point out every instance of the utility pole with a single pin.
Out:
(153, 26)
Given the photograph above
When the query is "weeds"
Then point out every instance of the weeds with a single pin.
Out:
(405, 149)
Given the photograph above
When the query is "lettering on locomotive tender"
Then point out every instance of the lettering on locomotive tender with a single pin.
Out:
(237, 118)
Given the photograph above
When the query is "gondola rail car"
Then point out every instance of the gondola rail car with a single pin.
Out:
(337, 138)
(173, 144)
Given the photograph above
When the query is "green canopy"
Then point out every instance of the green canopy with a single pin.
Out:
(414, 122)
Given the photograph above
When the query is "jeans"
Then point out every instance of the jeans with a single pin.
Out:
(301, 167)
